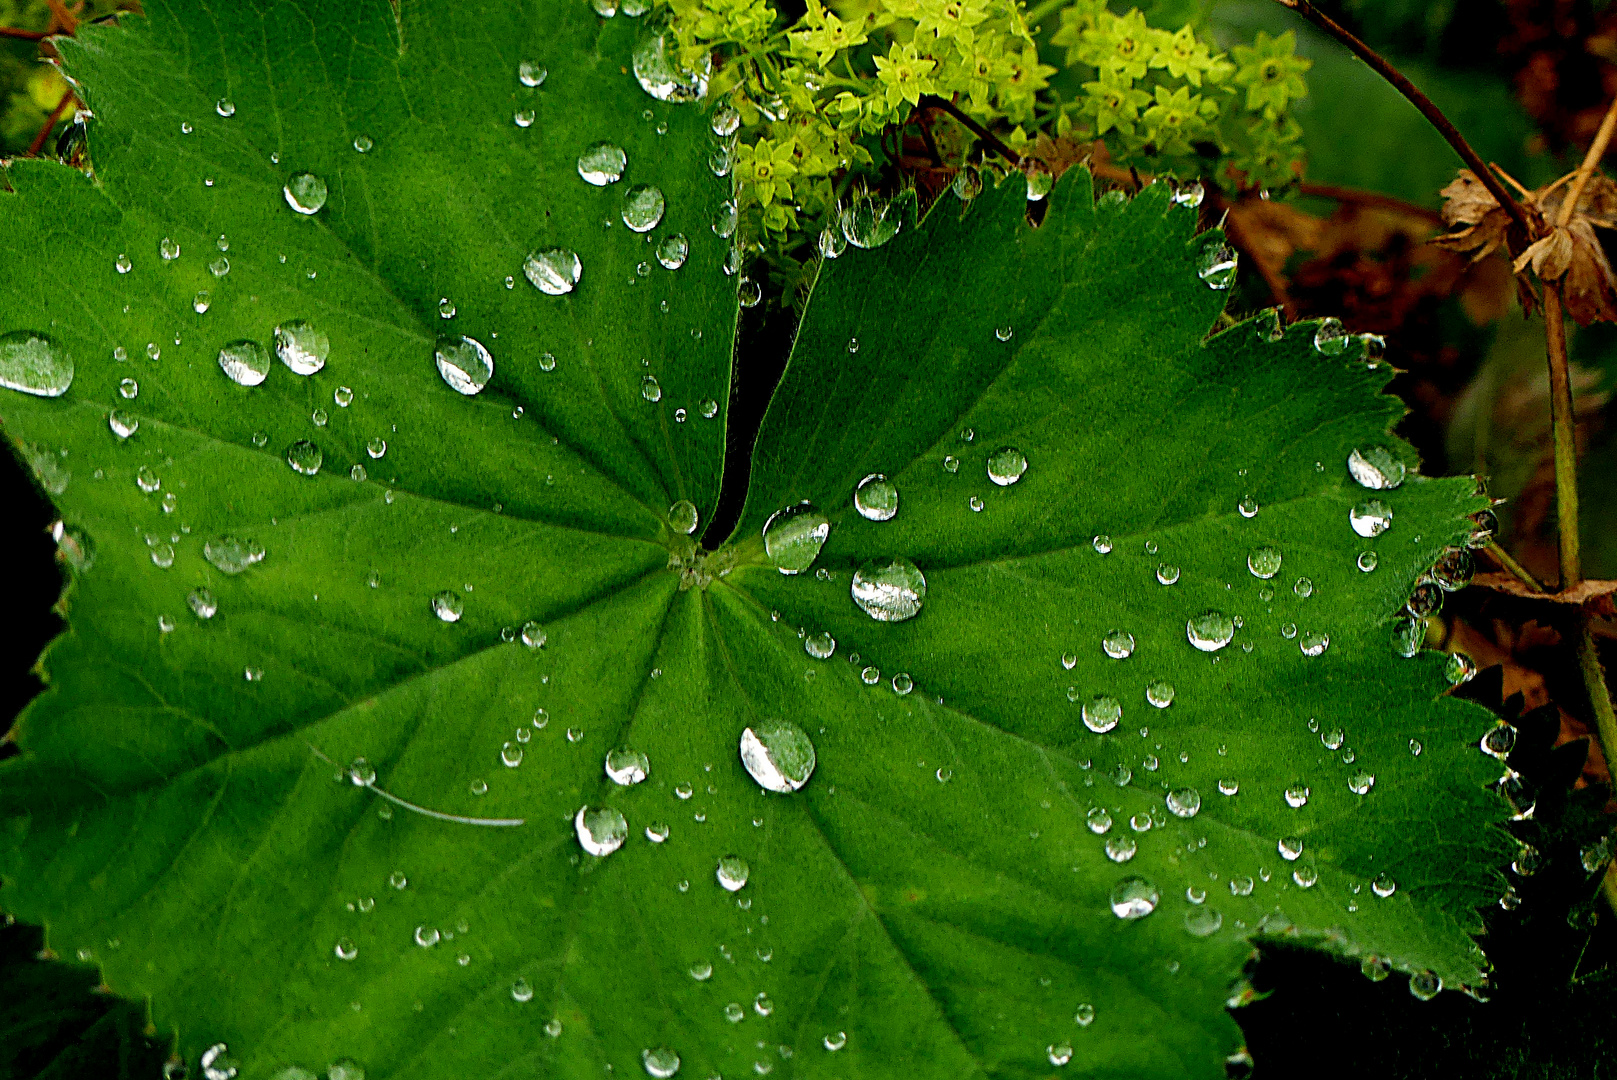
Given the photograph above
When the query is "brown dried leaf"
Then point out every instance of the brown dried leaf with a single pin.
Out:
(1583, 592)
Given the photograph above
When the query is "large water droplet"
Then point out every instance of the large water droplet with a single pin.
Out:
(216, 1065)
(1160, 693)
(1297, 795)
(793, 537)
(602, 163)
(643, 207)
(1006, 466)
(448, 605)
(889, 590)
(34, 364)
(1218, 264)
(305, 193)
(1118, 644)
(870, 221)
(1099, 821)
(1372, 517)
(1203, 921)
(1134, 898)
(554, 272)
(683, 516)
(660, 1062)
(778, 755)
(876, 498)
(1454, 569)
(601, 830)
(1210, 631)
(1102, 714)
(820, 646)
(1425, 985)
(1184, 802)
(1290, 848)
(627, 767)
(464, 364)
(301, 347)
(1120, 849)
(1330, 339)
(657, 70)
(304, 457)
(1376, 468)
(246, 362)
(201, 602)
(732, 873)
(1264, 562)
(673, 251)
(230, 555)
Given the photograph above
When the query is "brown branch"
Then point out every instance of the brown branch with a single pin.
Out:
(25, 35)
(50, 122)
(932, 101)
(1374, 199)
(1433, 114)
(1597, 150)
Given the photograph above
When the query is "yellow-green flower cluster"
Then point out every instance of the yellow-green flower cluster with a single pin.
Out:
(1164, 101)
(817, 99)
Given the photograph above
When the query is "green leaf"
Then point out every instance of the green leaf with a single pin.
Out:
(933, 900)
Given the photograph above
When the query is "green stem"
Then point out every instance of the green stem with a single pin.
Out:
(1516, 569)
(1049, 7)
(1563, 426)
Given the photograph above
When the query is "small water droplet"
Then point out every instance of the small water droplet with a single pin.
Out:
(1372, 517)
(304, 457)
(1184, 802)
(600, 830)
(1366, 561)
(1118, 644)
(1425, 985)
(778, 755)
(1313, 642)
(643, 207)
(1102, 714)
(448, 606)
(732, 873)
(1006, 466)
(1304, 588)
(1218, 263)
(602, 163)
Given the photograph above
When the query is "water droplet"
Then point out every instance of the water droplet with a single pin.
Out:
(35, 364)
(463, 363)
(305, 193)
(820, 646)
(216, 1065)
(902, 684)
(1374, 968)
(1376, 468)
(732, 873)
(1210, 631)
(1305, 876)
(793, 537)
(661, 1062)
(1330, 339)
(1269, 325)
(1454, 569)
(1425, 985)
(836, 1040)
(1366, 561)
(1184, 802)
(555, 271)
(1121, 848)
(1006, 466)
(1218, 263)
(1160, 693)
(363, 143)
(346, 949)
(876, 498)
(870, 221)
(511, 755)
(1304, 588)
(657, 70)
(1313, 642)
(147, 480)
(1102, 714)
(650, 388)
(602, 163)
(1361, 782)
(523, 118)
(889, 590)
(778, 755)
(1383, 885)
(168, 249)
(122, 264)
(673, 251)
(1167, 574)
(1297, 795)
(601, 830)
(202, 602)
(219, 267)
(532, 73)
(1203, 921)
(1459, 668)
(626, 767)
(832, 243)
(230, 555)
(521, 991)
(1118, 644)
(304, 457)
(1134, 898)
(643, 207)
(1058, 1053)
(1098, 820)
(1372, 517)
(1264, 562)
(1408, 635)
(448, 606)
(734, 1013)
(762, 1005)
(163, 558)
